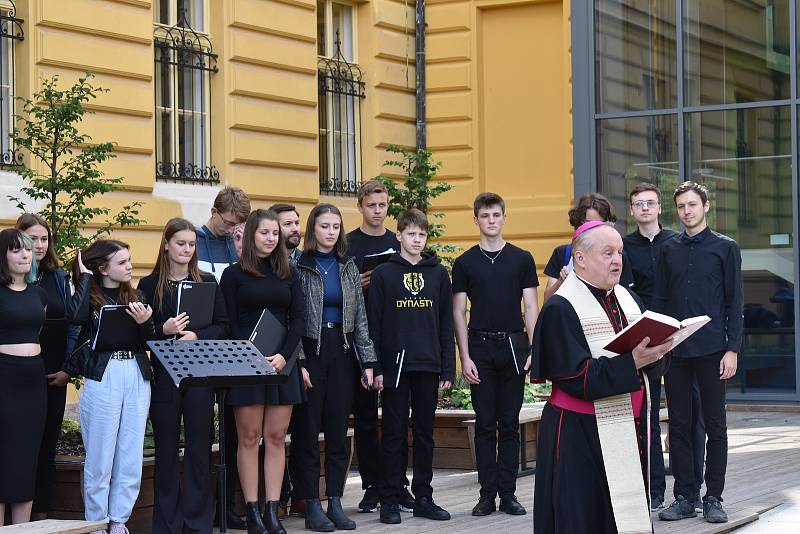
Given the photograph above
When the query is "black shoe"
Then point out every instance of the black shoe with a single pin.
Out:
(510, 505)
(233, 520)
(255, 523)
(713, 512)
(484, 507)
(656, 503)
(336, 514)
(679, 509)
(390, 514)
(407, 503)
(697, 503)
(425, 507)
(370, 501)
(316, 519)
(271, 520)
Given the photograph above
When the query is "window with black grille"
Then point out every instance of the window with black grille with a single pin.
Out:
(341, 89)
(10, 33)
(184, 63)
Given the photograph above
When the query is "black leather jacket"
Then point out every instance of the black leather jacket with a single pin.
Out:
(84, 361)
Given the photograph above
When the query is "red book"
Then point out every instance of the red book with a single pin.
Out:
(659, 328)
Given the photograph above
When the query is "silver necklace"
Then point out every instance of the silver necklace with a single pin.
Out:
(330, 265)
(490, 258)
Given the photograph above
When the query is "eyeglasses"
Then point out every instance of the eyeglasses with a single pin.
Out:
(639, 204)
(229, 224)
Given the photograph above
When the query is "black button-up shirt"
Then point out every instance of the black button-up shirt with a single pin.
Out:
(702, 275)
(642, 255)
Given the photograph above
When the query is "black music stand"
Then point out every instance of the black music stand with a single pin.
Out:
(219, 364)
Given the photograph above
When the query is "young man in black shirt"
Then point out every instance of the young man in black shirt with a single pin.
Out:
(700, 272)
(411, 324)
(371, 239)
(495, 276)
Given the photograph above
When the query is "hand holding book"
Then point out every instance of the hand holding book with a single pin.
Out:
(658, 328)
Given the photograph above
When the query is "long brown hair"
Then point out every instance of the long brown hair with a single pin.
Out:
(162, 267)
(310, 244)
(25, 221)
(278, 258)
(95, 256)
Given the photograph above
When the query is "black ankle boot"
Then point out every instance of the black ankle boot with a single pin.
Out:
(255, 524)
(316, 519)
(274, 525)
(336, 514)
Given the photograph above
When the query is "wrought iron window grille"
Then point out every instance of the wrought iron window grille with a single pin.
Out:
(341, 89)
(184, 61)
(10, 32)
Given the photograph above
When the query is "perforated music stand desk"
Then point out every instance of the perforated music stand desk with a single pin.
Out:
(219, 364)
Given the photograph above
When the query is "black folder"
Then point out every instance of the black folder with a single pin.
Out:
(520, 349)
(116, 330)
(197, 300)
(373, 260)
(269, 336)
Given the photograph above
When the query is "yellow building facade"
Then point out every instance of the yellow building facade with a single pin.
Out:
(498, 102)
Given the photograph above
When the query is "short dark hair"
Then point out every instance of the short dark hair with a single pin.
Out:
(641, 188)
(487, 200)
(685, 187)
(591, 201)
(233, 199)
(412, 217)
(310, 244)
(283, 208)
(14, 239)
(370, 187)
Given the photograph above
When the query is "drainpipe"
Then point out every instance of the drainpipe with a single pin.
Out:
(422, 142)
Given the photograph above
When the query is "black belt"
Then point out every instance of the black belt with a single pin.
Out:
(331, 325)
(495, 336)
(123, 355)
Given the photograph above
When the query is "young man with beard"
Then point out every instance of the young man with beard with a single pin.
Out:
(371, 238)
(495, 275)
(411, 324)
(700, 273)
(290, 228)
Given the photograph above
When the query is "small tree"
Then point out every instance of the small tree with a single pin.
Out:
(70, 175)
(418, 191)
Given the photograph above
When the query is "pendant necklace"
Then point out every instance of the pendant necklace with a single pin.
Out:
(323, 269)
(492, 258)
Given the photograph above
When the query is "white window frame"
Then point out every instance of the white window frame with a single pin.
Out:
(8, 154)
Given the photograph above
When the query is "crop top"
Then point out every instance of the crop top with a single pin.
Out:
(22, 314)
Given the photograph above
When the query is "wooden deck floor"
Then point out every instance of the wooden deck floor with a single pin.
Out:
(763, 468)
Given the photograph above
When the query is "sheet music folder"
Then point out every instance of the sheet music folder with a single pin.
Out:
(197, 300)
(116, 330)
(269, 336)
(373, 260)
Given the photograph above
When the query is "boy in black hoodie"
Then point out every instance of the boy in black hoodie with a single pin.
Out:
(411, 324)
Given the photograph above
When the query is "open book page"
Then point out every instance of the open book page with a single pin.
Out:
(658, 327)
(688, 327)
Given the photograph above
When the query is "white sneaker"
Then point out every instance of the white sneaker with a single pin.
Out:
(118, 528)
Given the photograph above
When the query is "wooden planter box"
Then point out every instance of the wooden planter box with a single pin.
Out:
(68, 493)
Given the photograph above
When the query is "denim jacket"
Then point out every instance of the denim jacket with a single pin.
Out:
(83, 360)
(354, 315)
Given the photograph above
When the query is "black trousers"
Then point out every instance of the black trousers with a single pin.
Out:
(679, 380)
(658, 477)
(332, 373)
(231, 458)
(368, 446)
(46, 468)
(179, 510)
(422, 388)
(497, 401)
(698, 439)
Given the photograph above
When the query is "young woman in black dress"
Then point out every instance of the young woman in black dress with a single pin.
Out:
(57, 339)
(263, 280)
(23, 388)
(189, 509)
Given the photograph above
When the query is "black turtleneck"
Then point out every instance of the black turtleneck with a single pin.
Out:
(246, 295)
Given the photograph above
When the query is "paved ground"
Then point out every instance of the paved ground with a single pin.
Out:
(763, 478)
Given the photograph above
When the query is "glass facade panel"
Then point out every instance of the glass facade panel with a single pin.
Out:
(633, 150)
(744, 157)
(736, 51)
(635, 55)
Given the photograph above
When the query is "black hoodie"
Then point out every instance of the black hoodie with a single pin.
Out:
(411, 318)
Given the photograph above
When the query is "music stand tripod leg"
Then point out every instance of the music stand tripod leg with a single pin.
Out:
(221, 467)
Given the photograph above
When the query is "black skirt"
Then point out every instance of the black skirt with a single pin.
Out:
(23, 409)
(292, 392)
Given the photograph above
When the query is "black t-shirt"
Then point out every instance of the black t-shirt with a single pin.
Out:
(495, 289)
(360, 244)
(22, 314)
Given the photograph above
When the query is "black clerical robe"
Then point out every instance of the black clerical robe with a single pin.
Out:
(571, 493)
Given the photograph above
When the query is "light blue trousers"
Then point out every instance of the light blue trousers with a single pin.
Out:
(113, 414)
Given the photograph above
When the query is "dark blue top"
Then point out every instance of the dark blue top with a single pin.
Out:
(702, 275)
(328, 267)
